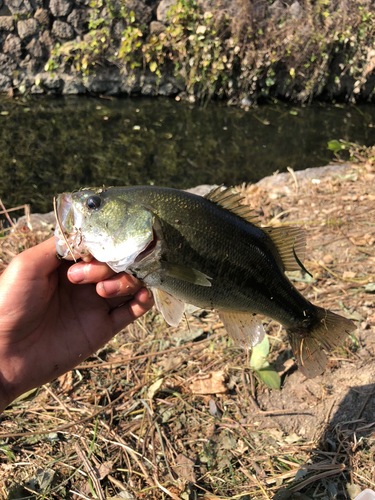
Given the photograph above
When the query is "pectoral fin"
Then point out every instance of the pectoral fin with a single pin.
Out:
(171, 308)
(245, 329)
(186, 274)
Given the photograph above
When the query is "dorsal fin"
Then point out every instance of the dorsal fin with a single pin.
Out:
(290, 242)
(230, 200)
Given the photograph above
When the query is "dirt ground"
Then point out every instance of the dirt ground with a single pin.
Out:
(166, 412)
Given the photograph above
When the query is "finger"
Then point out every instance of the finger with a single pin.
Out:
(129, 312)
(89, 272)
(118, 286)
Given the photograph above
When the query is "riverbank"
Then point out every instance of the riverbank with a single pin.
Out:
(220, 432)
(244, 52)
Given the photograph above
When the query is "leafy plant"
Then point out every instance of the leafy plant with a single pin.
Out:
(261, 367)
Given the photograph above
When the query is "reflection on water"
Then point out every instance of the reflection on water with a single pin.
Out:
(52, 145)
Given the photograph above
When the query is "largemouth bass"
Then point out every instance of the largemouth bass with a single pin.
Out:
(207, 251)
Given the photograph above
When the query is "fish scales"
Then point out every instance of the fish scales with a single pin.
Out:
(234, 252)
(199, 250)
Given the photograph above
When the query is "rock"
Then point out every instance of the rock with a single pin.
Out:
(47, 41)
(156, 27)
(42, 15)
(60, 8)
(27, 28)
(130, 84)
(104, 83)
(79, 19)
(36, 89)
(167, 89)
(118, 27)
(6, 23)
(50, 82)
(148, 89)
(19, 6)
(5, 83)
(12, 46)
(23, 81)
(276, 10)
(163, 9)
(7, 65)
(142, 12)
(35, 48)
(62, 30)
(73, 85)
(295, 10)
(31, 65)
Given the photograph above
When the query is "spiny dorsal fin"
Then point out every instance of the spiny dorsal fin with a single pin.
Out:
(290, 241)
(230, 200)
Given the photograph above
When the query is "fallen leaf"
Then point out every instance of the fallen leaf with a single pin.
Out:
(170, 363)
(104, 469)
(184, 468)
(154, 388)
(212, 383)
(349, 274)
(214, 410)
(66, 382)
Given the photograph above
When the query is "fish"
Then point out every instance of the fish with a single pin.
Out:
(211, 252)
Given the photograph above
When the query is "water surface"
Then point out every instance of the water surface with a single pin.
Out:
(50, 145)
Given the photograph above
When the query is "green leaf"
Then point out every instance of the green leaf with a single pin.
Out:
(335, 146)
(270, 377)
(25, 395)
(153, 66)
(259, 354)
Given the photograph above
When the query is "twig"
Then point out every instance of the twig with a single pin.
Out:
(5, 211)
(318, 477)
(169, 493)
(91, 472)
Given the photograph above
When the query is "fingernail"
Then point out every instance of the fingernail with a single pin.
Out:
(150, 295)
(77, 274)
(111, 287)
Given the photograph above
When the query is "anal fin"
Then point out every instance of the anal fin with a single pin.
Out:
(172, 309)
(245, 329)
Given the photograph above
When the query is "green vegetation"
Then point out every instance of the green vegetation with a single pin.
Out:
(328, 50)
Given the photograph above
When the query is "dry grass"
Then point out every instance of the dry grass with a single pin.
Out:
(128, 419)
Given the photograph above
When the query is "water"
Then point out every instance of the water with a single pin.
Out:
(52, 145)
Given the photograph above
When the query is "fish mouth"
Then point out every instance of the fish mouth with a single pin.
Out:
(148, 250)
(67, 232)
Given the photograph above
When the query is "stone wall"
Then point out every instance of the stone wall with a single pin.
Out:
(241, 50)
(30, 31)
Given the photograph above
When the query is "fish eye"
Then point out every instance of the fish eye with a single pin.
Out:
(94, 202)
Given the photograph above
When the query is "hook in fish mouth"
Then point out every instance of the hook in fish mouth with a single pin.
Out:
(59, 228)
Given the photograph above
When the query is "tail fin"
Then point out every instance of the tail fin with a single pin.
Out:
(329, 331)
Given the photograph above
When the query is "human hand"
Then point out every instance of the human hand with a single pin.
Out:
(48, 324)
